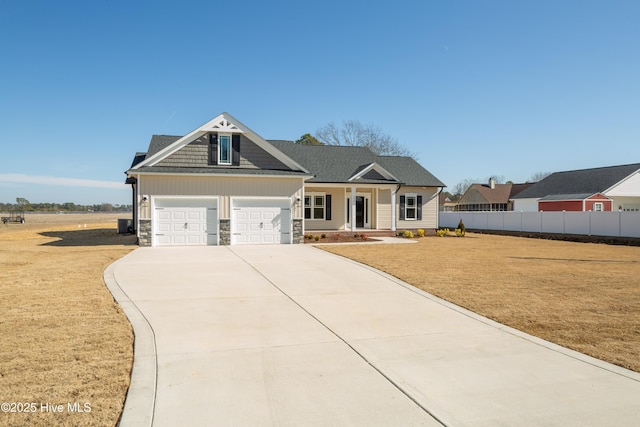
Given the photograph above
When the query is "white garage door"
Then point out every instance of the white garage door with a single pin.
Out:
(185, 222)
(261, 221)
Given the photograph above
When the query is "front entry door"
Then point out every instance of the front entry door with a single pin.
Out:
(360, 212)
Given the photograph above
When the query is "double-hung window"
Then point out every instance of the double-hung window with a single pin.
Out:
(314, 206)
(224, 149)
(410, 207)
(307, 207)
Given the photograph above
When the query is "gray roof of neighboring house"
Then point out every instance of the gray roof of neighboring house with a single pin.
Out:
(336, 164)
(518, 188)
(577, 182)
(578, 196)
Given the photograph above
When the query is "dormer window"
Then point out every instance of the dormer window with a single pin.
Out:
(224, 149)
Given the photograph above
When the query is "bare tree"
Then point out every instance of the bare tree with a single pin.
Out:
(498, 179)
(462, 186)
(354, 133)
(538, 176)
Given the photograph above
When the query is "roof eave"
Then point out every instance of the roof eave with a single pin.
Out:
(240, 175)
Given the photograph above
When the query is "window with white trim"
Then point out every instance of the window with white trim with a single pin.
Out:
(314, 206)
(598, 207)
(224, 149)
(411, 207)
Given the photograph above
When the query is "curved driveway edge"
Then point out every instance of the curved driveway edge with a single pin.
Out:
(140, 400)
(290, 335)
(619, 370)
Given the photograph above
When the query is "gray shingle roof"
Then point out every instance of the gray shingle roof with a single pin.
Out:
(160, 142)
(409, 171)
(329, 164)
(579, 196)
(581, 181)
(336, 164)
(138, 158)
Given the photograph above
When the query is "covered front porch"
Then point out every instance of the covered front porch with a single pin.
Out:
(356, 208)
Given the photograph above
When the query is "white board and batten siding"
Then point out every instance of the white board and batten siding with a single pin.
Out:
(264, 220)
(185, 221)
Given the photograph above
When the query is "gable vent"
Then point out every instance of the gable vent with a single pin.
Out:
(223, 125)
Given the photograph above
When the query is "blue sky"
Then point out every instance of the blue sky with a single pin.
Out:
(475, 88)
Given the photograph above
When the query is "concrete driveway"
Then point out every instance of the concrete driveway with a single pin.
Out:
(290, 335)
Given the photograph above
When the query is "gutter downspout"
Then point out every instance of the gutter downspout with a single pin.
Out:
(134, 203)
(134, 208)
(438, 205)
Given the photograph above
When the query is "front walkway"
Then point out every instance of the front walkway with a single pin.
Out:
(291, 335)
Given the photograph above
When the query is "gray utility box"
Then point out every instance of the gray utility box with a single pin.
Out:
(125, 226)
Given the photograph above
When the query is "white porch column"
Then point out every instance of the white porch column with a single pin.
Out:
(300, 206)
(376, 207)
(393, 209)
(137, 205)
(353, 208)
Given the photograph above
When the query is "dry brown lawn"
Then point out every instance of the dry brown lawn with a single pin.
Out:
(64, 339)
(583, 296)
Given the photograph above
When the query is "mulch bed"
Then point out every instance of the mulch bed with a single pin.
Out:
(345, 237)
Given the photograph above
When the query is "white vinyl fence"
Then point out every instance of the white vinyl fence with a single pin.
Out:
(618, 224)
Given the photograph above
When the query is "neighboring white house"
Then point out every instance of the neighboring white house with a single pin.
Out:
(626, 193)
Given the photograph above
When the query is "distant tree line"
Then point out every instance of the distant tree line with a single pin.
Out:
(24, 205)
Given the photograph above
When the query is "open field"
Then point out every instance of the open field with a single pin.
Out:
(64, 339)
(583, 296)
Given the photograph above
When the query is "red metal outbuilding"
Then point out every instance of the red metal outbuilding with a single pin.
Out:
(575, 203)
